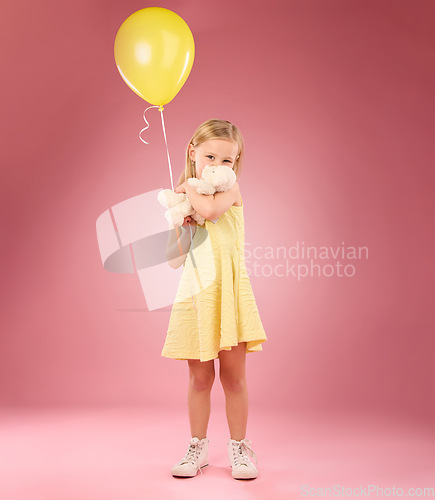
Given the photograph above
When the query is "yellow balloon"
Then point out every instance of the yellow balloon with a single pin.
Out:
(154, 52)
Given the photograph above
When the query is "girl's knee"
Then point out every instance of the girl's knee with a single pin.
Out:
(201, 375)
(202, 382)
(233, 383)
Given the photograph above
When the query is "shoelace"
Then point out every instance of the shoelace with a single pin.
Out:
(192, 453)
(241, 449)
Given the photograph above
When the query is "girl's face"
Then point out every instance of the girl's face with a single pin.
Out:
(214, 152)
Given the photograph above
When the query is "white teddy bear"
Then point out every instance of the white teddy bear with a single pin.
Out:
(213, 180)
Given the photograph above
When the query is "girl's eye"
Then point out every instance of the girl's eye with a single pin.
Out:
(211, 156)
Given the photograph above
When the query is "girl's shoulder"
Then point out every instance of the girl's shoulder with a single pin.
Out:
(239, 202)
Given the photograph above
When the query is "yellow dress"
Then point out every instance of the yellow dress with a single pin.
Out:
(214, 307)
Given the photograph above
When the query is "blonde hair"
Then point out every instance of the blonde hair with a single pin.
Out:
(207, 131)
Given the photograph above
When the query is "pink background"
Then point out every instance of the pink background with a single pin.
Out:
(334, 100)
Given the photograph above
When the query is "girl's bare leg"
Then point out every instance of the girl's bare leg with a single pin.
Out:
(233, 378)
(201, 378)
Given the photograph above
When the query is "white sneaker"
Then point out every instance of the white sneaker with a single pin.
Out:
(241, 464)
(195, 458)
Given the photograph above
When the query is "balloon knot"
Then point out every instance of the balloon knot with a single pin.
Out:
(161, 108)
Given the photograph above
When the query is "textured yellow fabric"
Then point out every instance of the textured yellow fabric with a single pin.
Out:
(214, 307)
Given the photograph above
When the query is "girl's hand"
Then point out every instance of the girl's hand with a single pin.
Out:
(188, 221)
(181, 188)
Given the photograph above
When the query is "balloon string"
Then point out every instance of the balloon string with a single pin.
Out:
(167, 149)
(146, 123)
(164, 134)
(170, 174)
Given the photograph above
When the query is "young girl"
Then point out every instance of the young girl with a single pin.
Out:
(214, 314)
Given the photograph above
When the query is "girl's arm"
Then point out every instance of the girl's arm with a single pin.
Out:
(210, 206)
(200, 202)
(178, 247)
